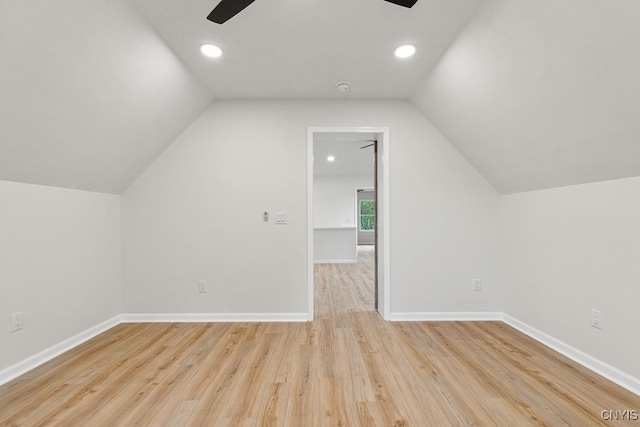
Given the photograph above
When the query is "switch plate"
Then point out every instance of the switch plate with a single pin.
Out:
(16, 322)
(281, 217)
(596, 318)
(202, 286)
(477, 285)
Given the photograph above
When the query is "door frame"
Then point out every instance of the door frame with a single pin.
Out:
(382, 221)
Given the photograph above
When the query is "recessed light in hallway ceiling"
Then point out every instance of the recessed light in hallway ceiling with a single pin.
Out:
(210, 50)
(405, 51)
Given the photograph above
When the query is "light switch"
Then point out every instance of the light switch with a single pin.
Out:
(281, 217)
(202, 286)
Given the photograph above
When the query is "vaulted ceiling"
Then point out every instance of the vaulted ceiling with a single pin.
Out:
(300, 49)
(89, 94)
(540, 94)
(534, 93)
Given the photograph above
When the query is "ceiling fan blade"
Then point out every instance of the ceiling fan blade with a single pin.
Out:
(227, 9)
(405, 3)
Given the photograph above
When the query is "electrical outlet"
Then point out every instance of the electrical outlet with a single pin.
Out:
(596, 318)
(477, 285)
(16, 322)
(202, 286)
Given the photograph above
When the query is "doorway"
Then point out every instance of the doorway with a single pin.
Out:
(379, 137)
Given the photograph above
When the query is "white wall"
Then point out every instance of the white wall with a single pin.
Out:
(571, 249)
(334, 199)
(335, 245)
(196, 214)
(61, 265)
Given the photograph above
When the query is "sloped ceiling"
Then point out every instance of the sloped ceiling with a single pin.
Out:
(89, 94)
(535, 93)
(540, 94)
(300, 49)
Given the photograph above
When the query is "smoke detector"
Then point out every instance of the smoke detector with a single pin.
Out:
(343, 87)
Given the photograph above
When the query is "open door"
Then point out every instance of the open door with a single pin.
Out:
(375, 219)
(379, 138)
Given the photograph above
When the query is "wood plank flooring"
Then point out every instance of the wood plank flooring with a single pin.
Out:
(347, 368)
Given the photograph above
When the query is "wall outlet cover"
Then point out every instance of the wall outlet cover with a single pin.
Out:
(202, 286)
(16, 322)
(596, 318)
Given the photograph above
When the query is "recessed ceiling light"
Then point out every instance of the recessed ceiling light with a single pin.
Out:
(405, 51)
(210, 50)
(330, 159)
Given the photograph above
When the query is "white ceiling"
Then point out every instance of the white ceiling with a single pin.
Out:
(301, 48)
(350, 158)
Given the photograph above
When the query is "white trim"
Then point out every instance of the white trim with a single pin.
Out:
(335, 261)
(599, 367)
(32, 362)
(384, 258)
(213, 317)
(595, 365)
(446, 316)
(384, 227)
(310, 264)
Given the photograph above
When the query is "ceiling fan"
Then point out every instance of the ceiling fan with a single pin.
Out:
(372, 141)
(227, 9)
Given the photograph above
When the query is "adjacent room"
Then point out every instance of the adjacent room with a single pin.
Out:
(364, 212)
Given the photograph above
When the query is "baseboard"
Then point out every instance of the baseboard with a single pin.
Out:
(445, 316)
(335, 261)
(599, 367)
(24, 366)
(214, 317)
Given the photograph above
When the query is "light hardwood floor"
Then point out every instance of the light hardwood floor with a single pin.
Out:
(347, 368)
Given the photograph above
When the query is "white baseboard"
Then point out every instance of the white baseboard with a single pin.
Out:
(335, 261)
(214, 317)
(11, 372)
(599, 367)
(445, 316)
(24, 366)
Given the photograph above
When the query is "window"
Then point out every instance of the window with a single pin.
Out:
(367, 215)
